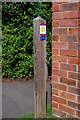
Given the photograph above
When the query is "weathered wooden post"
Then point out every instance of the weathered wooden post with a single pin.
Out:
(40, 67)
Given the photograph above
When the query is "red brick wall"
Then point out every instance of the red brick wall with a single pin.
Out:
(65, 60)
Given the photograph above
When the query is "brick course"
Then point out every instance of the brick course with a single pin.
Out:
(65, 59)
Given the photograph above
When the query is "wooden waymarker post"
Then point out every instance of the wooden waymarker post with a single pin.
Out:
(40, 67)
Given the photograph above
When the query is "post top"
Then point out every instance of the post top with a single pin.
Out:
(38, 18)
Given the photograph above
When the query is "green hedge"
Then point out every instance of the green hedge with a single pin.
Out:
(17, 39)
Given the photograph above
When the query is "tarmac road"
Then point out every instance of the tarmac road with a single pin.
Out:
(17, 98)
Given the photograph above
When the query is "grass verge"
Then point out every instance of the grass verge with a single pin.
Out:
(31, 115)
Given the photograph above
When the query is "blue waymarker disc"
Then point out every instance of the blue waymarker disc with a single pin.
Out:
(42, 37)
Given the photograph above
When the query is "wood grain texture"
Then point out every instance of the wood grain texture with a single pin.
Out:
(39, 71)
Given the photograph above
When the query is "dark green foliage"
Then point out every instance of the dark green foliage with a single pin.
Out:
(17, 41)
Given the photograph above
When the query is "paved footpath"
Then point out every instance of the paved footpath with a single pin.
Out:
(17, 98)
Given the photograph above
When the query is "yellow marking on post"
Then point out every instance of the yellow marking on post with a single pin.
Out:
(42, 29)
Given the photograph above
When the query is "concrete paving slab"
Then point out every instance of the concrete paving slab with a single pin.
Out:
(18, 98)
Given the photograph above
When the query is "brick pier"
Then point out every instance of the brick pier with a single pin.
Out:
(66, 59)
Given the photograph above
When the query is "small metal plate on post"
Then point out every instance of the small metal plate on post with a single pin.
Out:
(42, 31)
